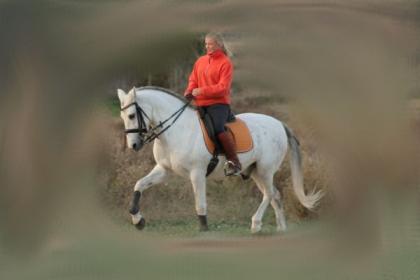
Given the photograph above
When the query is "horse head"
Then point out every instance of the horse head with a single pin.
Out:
(135, 119)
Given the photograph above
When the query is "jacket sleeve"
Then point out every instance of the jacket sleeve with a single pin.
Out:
(223, 86)
(192, 80)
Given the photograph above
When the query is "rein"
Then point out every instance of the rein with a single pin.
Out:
(151, 134)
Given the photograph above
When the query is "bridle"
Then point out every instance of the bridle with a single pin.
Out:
(148, 135)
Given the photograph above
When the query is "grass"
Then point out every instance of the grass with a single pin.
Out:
(189, 229)
(112, 104)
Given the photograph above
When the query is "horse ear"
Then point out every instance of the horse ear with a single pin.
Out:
(121, 95)
(132, 91)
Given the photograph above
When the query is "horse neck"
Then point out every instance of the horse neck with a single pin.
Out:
(162, 107)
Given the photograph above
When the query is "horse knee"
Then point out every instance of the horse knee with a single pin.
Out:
(142, 185)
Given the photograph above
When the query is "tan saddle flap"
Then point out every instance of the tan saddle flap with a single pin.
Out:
(240, 132)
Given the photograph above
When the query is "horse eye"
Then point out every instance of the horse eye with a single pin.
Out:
(131, 116)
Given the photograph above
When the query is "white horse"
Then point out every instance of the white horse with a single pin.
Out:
(155, 113)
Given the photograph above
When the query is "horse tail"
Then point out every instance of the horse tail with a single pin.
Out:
(311, 200)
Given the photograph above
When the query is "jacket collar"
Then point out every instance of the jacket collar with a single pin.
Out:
(216, 54)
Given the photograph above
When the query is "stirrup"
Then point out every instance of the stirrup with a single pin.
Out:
(231, 169)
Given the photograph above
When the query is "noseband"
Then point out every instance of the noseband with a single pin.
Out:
(141, 127)
(151, 134)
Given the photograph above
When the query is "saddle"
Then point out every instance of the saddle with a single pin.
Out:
(235, 126)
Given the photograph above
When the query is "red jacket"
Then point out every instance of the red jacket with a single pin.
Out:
(212, 73)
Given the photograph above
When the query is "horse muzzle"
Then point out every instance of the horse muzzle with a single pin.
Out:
(137, 146)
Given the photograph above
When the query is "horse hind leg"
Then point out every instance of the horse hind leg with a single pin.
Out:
(277, 205)
(265, 185)
(246, 173)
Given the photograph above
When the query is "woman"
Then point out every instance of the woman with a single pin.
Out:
(209, 86)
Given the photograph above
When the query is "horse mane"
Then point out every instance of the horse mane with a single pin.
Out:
(168, 91)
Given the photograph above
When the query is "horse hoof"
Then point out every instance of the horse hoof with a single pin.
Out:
(256, 227)
(141, 224)
(134, 210)
(281, 228)
(204, 228)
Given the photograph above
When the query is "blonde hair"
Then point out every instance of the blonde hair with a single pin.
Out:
(218, 37)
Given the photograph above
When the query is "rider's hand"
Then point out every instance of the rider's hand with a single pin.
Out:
(189, 96)
(196, 91)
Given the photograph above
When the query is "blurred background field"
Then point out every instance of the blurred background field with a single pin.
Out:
(342, 74)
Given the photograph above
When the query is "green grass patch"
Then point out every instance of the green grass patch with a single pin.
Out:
(112, 104)
(217, 230)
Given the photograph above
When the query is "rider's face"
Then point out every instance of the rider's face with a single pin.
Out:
(211, 45)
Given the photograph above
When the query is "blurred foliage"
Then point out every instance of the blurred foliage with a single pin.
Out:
(342, 63)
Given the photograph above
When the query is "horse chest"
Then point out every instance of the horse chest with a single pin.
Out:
(172, 159)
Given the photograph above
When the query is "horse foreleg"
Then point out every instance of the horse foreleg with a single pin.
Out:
(198, 180)
(156, 176)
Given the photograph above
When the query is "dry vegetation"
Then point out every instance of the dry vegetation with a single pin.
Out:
(338, 72)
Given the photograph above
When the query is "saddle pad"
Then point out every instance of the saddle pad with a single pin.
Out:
(240, 133)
